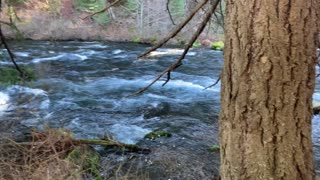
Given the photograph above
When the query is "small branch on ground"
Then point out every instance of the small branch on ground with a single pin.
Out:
(189, 45)
(177, 30)
(102, 10)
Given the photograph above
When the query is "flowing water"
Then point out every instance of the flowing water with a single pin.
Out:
(85, 87)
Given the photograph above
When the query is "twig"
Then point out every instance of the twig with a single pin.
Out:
(169, 12)
(102, 10)
(3, 42)
(215, 83)
(177, 30)
(189, 45)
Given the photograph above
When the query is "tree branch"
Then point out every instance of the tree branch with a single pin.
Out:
(102, 10)
(215, 83)
(4, 43)
(168, 9)
(189, 45)
(177, 30)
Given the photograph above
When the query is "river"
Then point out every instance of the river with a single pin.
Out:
(85, 87)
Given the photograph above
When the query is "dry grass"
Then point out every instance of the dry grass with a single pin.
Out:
(42, 158)
(55, 155)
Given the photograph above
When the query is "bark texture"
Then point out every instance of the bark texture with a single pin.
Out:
(267, 85)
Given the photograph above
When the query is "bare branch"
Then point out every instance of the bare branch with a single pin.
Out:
(189, 45)
(102, 10)
(168, 78)
(169, 12)
(177, 30)
(215, 83)
(4, 43)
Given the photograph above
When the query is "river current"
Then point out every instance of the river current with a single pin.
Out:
(85, 87)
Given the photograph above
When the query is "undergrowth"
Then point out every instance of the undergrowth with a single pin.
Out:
(55, 154)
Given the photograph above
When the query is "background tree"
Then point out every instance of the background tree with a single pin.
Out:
(267, 85)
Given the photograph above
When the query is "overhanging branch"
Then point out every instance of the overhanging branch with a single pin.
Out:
(189, 45)
(177, 30)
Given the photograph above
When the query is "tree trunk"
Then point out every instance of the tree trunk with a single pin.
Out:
(267, 85)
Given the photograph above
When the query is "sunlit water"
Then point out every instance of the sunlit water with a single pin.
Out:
(85, 87)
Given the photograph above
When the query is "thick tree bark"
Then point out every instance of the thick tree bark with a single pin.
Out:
(267, 86)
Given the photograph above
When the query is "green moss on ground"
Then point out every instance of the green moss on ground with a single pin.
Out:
(217, 46)
(87, 159)
(196, 45)
(10, 75)
(157, 134)
(214, 148)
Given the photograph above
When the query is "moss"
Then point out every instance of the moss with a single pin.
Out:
(136, 39)
(87, 159)
(214, 148)
(196, 45)
(12, 76)
(217, 45)
(156, 134)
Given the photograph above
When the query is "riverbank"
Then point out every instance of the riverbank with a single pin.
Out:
(68, 20)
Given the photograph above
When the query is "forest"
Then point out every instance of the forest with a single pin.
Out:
(159, 89)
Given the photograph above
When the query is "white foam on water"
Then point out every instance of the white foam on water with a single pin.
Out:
(129, 134)
(4, 102)
(171, 51)
(22, 54)
(88, 52)
(38, 60)
(121, 56)
(17, 88)
(117, 51)
(191, 53)
(97, 46)
(29, 98)
(64, 56)
(82, 57)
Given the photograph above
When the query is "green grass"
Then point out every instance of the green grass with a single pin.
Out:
(217, 45)
(87, 159)
(196, 45)
(12, 76)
